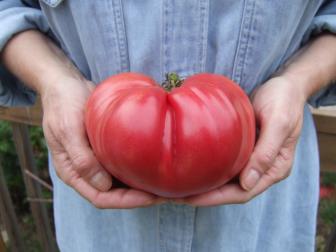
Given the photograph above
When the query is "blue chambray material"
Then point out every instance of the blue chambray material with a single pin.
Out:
(245, 40)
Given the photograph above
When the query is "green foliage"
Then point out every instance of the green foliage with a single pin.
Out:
(14, 180)
(10, 163)
(30, 236)
(328, 211)
(327, 207)
(328, 179)
(11, 168)
(326, 220)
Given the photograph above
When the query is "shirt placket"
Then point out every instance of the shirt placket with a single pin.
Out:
(184, 36)
(183, 50)
(176, 227)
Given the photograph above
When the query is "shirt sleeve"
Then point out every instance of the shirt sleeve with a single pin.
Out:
(15, 17)
(324, 21)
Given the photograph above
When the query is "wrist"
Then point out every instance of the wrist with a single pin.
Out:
(65, 87)
(49, 68)
(306, 78)
(304, 84)
(296, 87)
(56, 79)
(312, 67)
(56, 72)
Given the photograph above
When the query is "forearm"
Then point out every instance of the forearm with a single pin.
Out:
(37, 61)
(314, 66)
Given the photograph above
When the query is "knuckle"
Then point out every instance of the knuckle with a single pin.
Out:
(267, 157)
(63, 129)
(284, 122)
(285, 174)
(279, 175)
(82, 164)
(274, 175)
(276, 178)
(66, 179)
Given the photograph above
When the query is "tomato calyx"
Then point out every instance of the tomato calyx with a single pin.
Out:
(172, 81)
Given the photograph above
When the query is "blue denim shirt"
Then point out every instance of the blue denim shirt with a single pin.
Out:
(247, 40)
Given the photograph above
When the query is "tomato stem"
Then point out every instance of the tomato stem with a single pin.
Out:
(172, 81)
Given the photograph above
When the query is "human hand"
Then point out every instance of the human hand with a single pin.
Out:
(74, 161)
(278, 106)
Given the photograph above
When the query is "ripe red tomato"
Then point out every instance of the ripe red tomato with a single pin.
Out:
(173, 144)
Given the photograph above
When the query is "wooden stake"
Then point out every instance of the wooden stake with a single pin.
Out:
(27, 162)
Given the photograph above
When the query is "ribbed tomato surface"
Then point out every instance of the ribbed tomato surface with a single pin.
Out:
(173, 144)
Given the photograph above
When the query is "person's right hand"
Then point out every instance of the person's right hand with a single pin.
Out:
(74, 162)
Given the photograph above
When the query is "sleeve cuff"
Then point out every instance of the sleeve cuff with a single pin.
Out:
(325, 97)
(16, 17)
(324, 21)
(12, 92)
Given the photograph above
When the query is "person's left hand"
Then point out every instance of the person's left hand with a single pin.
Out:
(278, 106)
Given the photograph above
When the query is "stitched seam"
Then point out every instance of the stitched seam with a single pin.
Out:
(238, 44)
(117, 39)
(243, 40)
(190, 227)
(122, 29)
(121, 35)
(245, 32)
(249, 37)
(114, 37)
(166, 37)
(52, 3)
(161, 233)
(242, 49)
(164, 48)
(288, 51)
(204, 20)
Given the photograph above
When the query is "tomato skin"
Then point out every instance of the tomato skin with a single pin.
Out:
(173, 144)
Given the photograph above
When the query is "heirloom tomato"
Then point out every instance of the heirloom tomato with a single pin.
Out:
(176, 143)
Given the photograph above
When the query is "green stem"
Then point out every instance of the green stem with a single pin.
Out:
(172, 81)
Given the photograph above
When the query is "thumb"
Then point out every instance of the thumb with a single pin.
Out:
(272, 137)
(85, 163)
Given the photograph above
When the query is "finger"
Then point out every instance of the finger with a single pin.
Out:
(225, 195)
(83, 159)
(86, 165)
(229, 194)
(115, 198)
(234, 194)
(272, 137)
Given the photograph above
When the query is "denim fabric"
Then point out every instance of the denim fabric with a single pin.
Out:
(247, 40)
(281, 219)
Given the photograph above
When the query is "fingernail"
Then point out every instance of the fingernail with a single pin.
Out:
(101, 181)
(251, 179)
